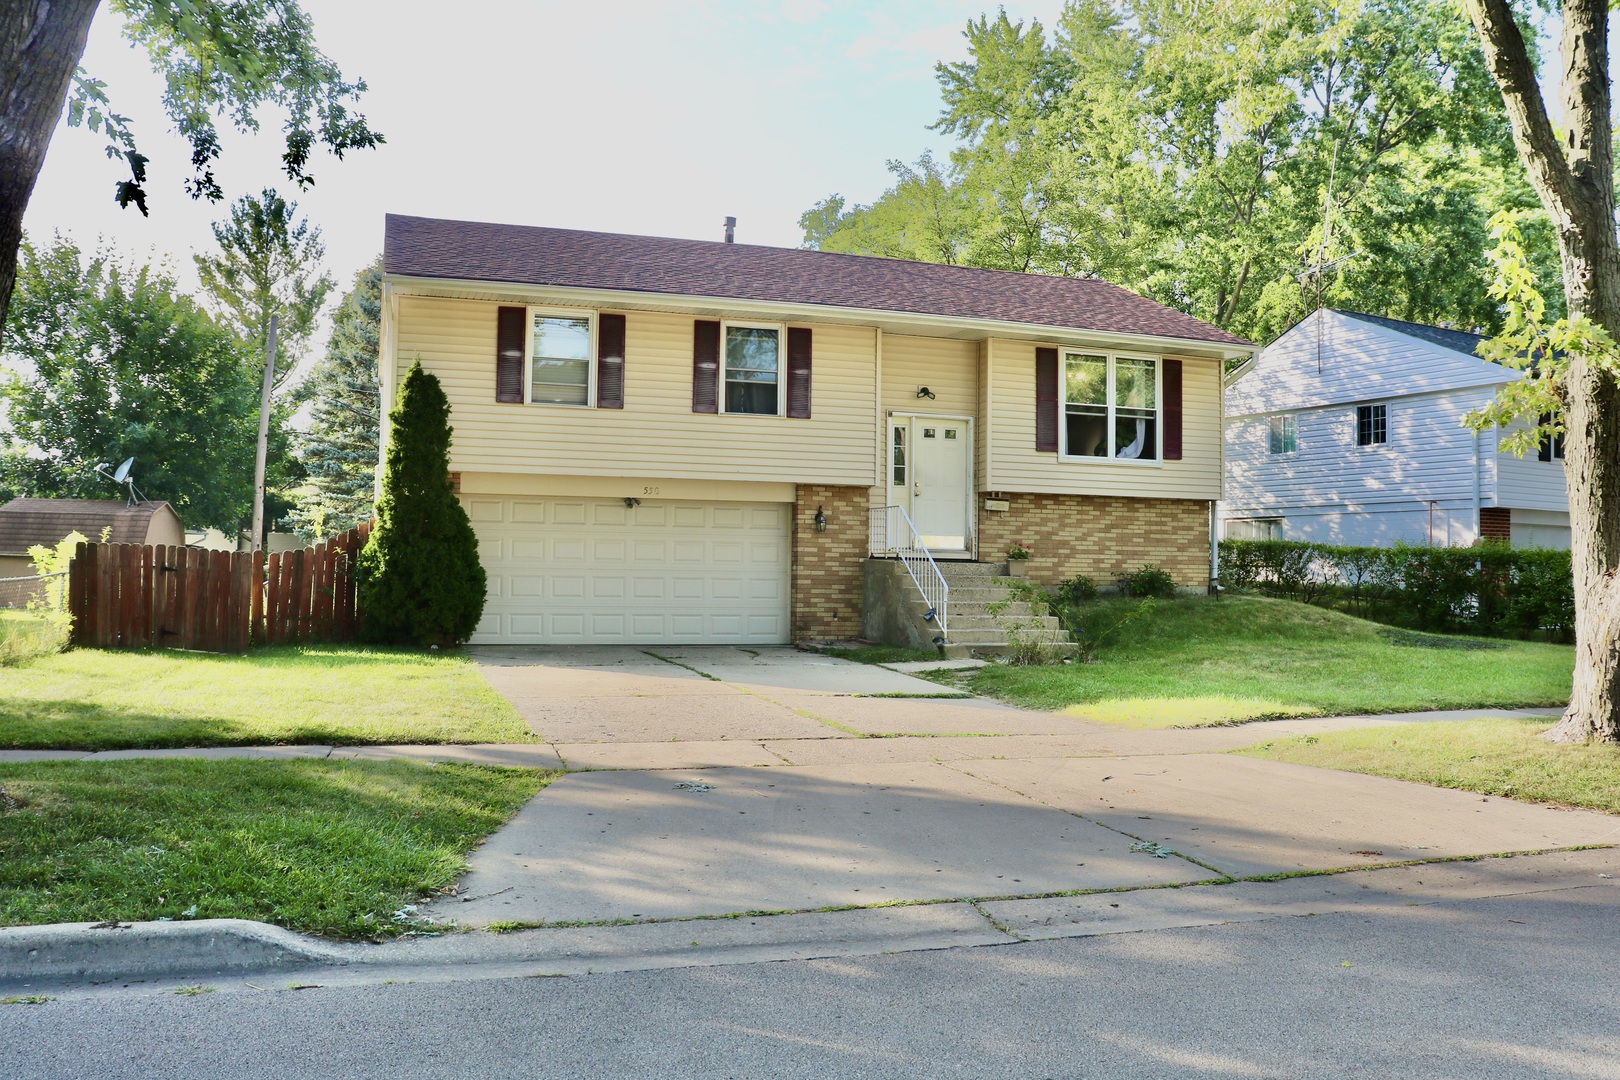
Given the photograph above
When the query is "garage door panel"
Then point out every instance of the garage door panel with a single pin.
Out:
(596, 571)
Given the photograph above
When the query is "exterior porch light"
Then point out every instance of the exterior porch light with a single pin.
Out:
(924, 392)
(821, 520)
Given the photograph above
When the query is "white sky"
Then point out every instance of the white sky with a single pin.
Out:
(648, 117)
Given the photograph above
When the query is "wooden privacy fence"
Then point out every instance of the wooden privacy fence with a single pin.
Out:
(130, 596)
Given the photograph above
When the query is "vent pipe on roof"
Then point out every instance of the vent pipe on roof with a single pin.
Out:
(731, 230)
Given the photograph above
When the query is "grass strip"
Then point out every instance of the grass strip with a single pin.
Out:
(1194, 661)
(96, 699)
(324, 847)
(1502, 756)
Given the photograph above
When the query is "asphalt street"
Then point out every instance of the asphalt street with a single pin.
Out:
(1523, 986)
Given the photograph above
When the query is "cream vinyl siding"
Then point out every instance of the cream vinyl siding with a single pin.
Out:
(946, 366)
(1015, 464)
(656, 433)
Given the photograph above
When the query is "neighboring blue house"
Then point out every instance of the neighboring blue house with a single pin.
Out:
(1348, 429)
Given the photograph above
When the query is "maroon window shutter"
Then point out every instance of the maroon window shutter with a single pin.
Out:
(798, 380)
(705, 366)
(610, 362)
(1171, 441)
(1046, 400)
(509, 334)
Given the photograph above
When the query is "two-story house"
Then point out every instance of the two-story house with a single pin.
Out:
(665, 440)
(1348, 429)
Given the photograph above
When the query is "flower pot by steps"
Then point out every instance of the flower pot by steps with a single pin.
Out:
(1018, 568)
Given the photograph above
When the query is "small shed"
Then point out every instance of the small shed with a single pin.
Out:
(27, 522)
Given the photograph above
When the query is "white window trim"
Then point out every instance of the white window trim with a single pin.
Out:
(1284, 418)
(1157, 460)
(528, 356)
(1355, 425)
(781, 363)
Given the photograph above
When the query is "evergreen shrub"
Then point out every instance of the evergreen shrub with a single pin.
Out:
(419, 579)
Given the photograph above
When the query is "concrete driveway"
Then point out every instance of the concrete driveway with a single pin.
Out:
(744, 780)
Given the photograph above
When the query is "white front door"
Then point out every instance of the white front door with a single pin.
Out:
(930, 474)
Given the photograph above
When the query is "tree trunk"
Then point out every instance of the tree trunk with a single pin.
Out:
(1575, 180)
(41, 42)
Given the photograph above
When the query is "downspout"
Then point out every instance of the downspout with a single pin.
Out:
(1479, 530)
(1214, 551)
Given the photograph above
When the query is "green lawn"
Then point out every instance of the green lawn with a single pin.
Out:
(883, 654)
(326, 847)
(1493, 757)
(93, 699)
(1196, 661)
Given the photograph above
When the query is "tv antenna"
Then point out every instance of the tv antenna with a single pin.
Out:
(1311, 278)
(121, 477)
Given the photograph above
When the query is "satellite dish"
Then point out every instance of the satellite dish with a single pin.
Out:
(122, 473)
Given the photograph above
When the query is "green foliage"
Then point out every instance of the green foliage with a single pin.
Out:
(1490, 588)
(1204, 156)
(339, 449)
(1532, 408)
(267, 266)
(231, 58)
(1151, 580)
(1076, 590)
(109, 361)
(1029, 639)
(419, 578)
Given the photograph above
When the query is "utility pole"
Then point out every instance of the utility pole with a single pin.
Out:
(264, 436)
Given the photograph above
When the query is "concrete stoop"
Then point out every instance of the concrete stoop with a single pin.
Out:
(896, 613)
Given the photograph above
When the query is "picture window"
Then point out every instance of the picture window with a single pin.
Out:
(1110, 407)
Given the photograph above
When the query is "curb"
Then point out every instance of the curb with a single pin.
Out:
(102, 951)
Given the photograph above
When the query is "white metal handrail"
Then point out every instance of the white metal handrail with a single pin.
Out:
(892, 533)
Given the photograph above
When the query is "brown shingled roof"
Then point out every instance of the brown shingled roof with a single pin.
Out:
(526, 255)
(26, 522)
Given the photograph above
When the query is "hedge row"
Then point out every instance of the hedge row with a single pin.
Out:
(1490, 589)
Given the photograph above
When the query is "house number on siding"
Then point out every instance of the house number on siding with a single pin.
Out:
(649, 490)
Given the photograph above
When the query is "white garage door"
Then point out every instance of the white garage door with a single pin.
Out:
(565, 571)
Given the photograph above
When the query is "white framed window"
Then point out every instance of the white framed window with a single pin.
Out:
(1111, 407)
(1283, 437)
(751, 361)
(1372, 425)
(562, 357)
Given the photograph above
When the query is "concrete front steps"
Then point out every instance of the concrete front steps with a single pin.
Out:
(895, 610)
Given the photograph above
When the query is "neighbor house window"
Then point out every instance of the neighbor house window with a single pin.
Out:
(1552, 448)
(1110, 407)
(1284, 435)
(753, 362)
(560, 352)
(1371, 426)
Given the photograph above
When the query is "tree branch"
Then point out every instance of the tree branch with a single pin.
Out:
(1508, 60)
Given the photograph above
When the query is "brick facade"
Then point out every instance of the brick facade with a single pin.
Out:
(1495, 523)
(828, 566)
(1100, 536)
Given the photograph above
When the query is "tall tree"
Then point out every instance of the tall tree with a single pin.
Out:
(418, 578)
(267, 266)
(109, 361)
(339, 448)
(1194, 153)
(224, 58)
(1580, 367)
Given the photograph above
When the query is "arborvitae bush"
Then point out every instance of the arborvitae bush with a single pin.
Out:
(419, 578)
